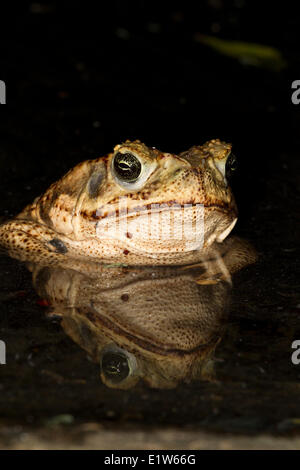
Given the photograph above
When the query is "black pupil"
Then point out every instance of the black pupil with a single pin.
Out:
(231, 165)
(115, 366)
(127, 166)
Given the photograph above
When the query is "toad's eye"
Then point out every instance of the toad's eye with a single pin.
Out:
(127, 166)
(231, 165)
(115, 366)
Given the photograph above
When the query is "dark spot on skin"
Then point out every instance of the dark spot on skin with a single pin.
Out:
(126, 252)
(125, 297)
(95, 183)
(94, 215)
(89, 215)
(59, 246)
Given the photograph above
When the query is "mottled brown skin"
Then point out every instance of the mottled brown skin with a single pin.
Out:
(165, 323)
(70, 218)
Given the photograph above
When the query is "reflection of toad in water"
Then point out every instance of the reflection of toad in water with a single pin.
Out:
(159, 324)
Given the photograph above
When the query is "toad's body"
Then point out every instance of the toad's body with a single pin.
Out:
(136, 205)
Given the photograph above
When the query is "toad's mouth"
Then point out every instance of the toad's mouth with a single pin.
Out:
(122, 211)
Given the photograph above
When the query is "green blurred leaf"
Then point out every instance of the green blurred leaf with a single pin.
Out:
(247, 53)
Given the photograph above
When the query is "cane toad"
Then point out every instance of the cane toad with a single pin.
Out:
(136, 205)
